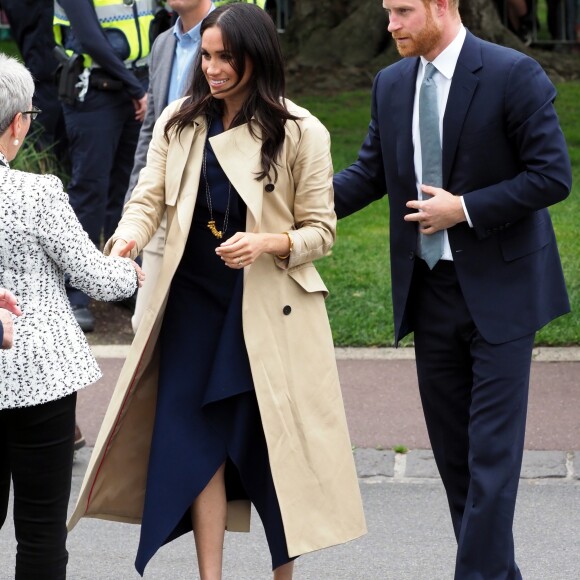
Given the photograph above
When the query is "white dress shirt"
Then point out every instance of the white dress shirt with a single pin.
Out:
(445, 64)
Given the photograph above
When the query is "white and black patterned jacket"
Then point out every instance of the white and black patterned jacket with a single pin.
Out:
(41, 240)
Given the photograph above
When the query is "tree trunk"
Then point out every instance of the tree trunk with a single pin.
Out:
(332, 45)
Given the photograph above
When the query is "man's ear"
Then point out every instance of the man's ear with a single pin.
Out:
(442, 7)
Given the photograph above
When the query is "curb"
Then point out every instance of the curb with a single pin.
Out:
(419, 464)
(540, 354)
(556, 466)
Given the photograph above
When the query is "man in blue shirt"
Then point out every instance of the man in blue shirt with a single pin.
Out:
(170, 67)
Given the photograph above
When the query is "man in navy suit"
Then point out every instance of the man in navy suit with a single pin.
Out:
(474, 314)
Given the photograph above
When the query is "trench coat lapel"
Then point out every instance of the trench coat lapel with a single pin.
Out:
(239, 156)
(183, 172)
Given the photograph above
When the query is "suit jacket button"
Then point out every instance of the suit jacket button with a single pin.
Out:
(269, 187)
(286, 310)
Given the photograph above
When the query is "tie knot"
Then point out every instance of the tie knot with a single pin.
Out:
(430, 70)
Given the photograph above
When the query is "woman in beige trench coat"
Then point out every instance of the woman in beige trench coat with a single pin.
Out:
(289, 222)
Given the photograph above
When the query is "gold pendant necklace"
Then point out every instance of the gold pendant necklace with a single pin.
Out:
(211, 223)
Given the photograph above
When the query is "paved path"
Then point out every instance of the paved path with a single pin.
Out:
(383, 411)
(382, 401)
(410, 536)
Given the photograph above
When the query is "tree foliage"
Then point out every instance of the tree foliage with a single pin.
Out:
(340, 45)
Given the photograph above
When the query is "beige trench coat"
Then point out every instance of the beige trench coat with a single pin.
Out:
(286, 331)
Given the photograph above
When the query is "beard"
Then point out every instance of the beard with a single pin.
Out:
(423, 42)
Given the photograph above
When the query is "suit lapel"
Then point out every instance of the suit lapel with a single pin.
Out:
(238, 154)
(463, 86)
(401, 116)
(166, 57)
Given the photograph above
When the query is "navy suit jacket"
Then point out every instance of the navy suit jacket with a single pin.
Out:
(504, 151)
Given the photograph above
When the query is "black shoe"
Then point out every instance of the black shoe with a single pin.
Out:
(84, 317)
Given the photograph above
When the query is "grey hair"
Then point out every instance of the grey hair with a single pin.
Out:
(16, 90)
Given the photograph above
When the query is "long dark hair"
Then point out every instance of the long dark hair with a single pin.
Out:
(247, 32)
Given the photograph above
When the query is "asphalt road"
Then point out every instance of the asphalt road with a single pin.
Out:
(410, 535)
(409, 538)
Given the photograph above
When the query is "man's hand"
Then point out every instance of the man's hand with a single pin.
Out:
(140, 107)
(440, 212)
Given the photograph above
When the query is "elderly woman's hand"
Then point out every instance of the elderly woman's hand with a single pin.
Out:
(7, 328)
(9, 302)
(140, 273)
(8, 306)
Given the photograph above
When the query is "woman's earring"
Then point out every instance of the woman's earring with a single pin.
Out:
(16, 142)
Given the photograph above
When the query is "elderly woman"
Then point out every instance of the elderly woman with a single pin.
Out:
(40, 241)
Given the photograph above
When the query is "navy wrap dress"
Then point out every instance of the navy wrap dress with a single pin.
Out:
(207, 412)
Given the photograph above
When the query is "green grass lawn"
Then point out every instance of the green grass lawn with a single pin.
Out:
(358, 270)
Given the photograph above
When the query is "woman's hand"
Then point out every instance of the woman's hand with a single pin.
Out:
(9, 302)
(122, 249)
(8, 306)
(244, 248)
(140, 273)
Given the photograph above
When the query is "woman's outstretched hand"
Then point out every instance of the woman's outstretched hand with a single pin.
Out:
(122, 249)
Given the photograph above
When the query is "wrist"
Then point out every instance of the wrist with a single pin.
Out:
(290, 247)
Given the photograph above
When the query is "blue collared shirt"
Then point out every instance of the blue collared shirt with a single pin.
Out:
(188, 44)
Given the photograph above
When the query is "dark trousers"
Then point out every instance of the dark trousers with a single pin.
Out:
(102, 134)
(36, 452)
(474, 397)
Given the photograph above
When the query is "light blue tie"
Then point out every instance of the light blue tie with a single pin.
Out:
(430, 246)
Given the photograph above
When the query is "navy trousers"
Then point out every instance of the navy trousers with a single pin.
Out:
(474, 396)
(102, 134)
(36, 453)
